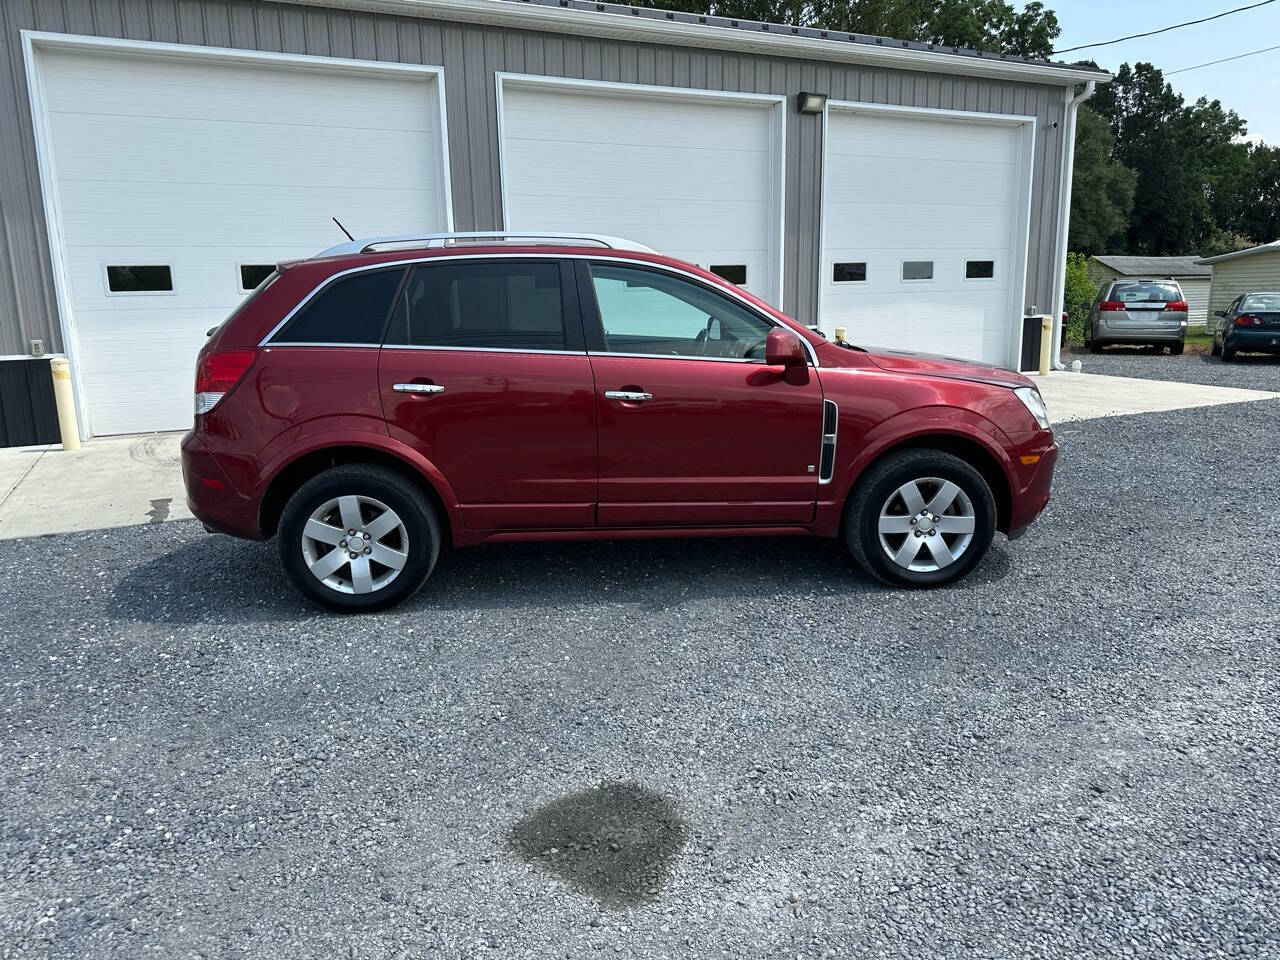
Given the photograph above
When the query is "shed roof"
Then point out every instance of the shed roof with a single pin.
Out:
(1156, 266)
(589, 18)
(1272, 247)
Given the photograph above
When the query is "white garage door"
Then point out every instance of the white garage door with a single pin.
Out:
(925, 227)
(174, 173)
(694, 176)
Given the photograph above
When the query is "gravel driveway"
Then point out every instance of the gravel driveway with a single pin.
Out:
(666, 749)
(1253, 371)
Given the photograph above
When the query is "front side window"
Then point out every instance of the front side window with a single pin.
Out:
(351, 310)
(650, 312)
(507, 304)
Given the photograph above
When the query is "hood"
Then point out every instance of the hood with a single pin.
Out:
(930, 365)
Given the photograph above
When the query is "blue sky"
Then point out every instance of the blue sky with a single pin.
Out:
(1250, 87)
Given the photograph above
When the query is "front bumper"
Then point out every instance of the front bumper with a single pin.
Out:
(1029, 501)
(211, 498)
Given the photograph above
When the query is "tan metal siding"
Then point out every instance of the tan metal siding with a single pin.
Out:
(1242, 275)
(1196, 292)
(470, 55)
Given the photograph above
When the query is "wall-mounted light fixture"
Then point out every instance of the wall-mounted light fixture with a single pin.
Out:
(811, 102)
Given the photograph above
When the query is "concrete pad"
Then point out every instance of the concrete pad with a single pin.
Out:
(1084, 396)
(109, 482)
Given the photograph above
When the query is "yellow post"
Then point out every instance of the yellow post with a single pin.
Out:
(61, 371)
(1046, 343)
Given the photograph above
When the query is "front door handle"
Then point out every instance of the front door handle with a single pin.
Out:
(418, 388)
(635, 396)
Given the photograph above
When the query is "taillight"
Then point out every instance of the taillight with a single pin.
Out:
(217, 372)
(1110, 305)
(1248, 320)
(1178, 306)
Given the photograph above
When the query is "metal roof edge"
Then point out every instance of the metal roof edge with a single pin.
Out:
(565, 18)
(1272, 247)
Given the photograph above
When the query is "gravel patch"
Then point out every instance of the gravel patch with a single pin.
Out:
(668, 749)
(1250, 371)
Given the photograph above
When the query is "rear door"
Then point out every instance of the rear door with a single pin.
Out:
(1144, 306)
(694, 429)
(484, 372)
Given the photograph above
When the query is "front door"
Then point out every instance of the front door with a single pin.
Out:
(694, 429)
(483, 371)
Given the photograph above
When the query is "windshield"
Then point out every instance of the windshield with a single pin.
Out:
(1145, 292)
(1261, 302)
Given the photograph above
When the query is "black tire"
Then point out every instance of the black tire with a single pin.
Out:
(421, 526)
(1215, 348)
(877, 486)
(1228, 353)
(1175, 349)
(1095, 346)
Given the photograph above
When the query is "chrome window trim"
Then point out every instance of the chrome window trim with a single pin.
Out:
(676, 271)
(540, 350)
(672, 356)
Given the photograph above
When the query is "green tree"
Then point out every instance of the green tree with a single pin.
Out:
(993, 25)
(1184, 158)
(1258, 210)
(1101, 189)
(1078, 295)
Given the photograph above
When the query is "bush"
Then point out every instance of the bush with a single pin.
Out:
(1077, 296)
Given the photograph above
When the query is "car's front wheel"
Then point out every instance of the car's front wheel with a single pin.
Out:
(1215, 348)
(358, 538)
(920, 518)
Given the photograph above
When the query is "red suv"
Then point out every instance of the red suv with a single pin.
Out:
(370, 403)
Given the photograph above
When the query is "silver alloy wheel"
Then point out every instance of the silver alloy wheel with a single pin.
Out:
(926, 524)
(355, 544)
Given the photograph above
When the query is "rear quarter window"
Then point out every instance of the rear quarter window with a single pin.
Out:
(350, 310)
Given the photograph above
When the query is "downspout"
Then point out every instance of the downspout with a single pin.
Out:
(1064, 216)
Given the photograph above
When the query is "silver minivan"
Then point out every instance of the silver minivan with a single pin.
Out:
(1150, 312)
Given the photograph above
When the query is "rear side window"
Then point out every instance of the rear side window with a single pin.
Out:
(351, 310)
(1146, 292)
(511, 305)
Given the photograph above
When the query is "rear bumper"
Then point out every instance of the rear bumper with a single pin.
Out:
(1174, 335)
(210, 496)
(1266, 339)
(1028, 502)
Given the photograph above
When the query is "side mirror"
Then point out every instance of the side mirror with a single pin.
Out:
(782, 348)
(1219, 313)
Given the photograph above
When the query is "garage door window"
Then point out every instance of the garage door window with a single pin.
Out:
(917, 269)
(651, 313)
(507, 305)
(849, 272)
(733, 272)
(352, 311)
(146, 278)
(252, 274)
(979, 269)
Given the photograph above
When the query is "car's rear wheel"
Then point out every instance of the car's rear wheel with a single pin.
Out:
(920, 518)
(1094, 346)
(359, 537)
(1228, 353)
(1176, 348)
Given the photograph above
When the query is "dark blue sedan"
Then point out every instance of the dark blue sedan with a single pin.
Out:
(1251, 322)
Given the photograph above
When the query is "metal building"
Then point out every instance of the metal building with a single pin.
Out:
(156, 156)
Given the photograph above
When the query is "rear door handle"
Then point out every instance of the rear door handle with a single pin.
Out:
(418, 388)
(636, 396)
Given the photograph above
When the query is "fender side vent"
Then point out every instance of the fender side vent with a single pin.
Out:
(827, 458)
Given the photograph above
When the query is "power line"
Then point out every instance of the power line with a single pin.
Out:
(1150, 33)
(1225, 59)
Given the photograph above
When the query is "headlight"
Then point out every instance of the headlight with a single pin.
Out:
(1034, 403)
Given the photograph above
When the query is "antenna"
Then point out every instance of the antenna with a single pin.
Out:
(342, 228)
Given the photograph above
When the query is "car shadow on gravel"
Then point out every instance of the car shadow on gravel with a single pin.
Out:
(1244, 360)
(220, 579)
(616, 843)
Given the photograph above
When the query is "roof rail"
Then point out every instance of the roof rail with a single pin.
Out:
(483, 237)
